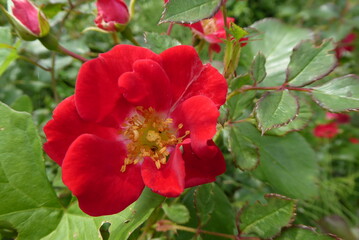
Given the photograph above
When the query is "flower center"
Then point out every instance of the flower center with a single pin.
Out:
(149, 135)
(209, 26)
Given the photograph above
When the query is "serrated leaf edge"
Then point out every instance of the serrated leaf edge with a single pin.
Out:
(322, 105)
(189, 22)
(260, 127)
(251, 72)
(335, 64)
(313, 229)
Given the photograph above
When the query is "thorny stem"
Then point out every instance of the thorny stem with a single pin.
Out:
(250, 88)
(35, 63)
(193, 230)
(53, 78)
(72, 54)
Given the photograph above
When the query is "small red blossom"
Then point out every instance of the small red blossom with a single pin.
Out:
(112, 15)
(354, 140)
(340, 118)
(328, 130)
(138, 119)
(345, 45)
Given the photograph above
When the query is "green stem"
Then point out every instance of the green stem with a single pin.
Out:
(53, 78)
(132, 8)
(193, 230)
(115, 38)
(35, 63)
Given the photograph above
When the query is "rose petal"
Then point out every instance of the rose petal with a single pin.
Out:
(66, 126)
(199, 115)
(203, 170)
(169, 179)
(189, 77)
(97, 91)
(147, 86)
(92, 171)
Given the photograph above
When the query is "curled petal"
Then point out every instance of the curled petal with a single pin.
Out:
(97, 93)
(168, 180)
(66, 126)
(202, 170)
(92, 171)
(139, 86)
(199, 115)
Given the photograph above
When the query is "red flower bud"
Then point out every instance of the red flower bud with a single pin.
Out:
(340, 118)
(29, 22)
(112, 15)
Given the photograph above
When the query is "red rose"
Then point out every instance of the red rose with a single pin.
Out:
(138, 119)
(340, 118)
(329, 130)
(111, 14)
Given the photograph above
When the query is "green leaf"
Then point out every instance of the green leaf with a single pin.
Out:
(267, 220)
(158, 43)
(7, 53)
(301, 233)
(23, 103)
(210, 210)
(245, 152)
(189, 11)
(176, 212)
(27, 197)
(309, 63)
(339, 94)
(258, 69)
(299, 123)
(237, 32)
(288, 163)
(77, 225)
(276, 41)
(276, 109)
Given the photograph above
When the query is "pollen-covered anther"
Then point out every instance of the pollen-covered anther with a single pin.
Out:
(150, 135)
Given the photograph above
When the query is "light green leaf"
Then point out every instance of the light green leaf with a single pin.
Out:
(23, 103)
(288, 163)
(276, 41)
(77, 225)
(301, 233)
(237, 32)
(276, 109)
(158, 43)
(267, 220)
(176, 212)
(244, 151)
(189, 11)
(299, 123)
(258, 69)
(27, 197)
(339, 94)
(309, 63)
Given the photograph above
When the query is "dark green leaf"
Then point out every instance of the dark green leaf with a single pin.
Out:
(244, 151)
(276, 41)
(158, 43)
(301, 233)
(258, 69)
(276, 109)
(288, 163)
(309, 63)
(176, 212)
(267, 220)
(27, 197)
(339, 94)
(189, 11)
